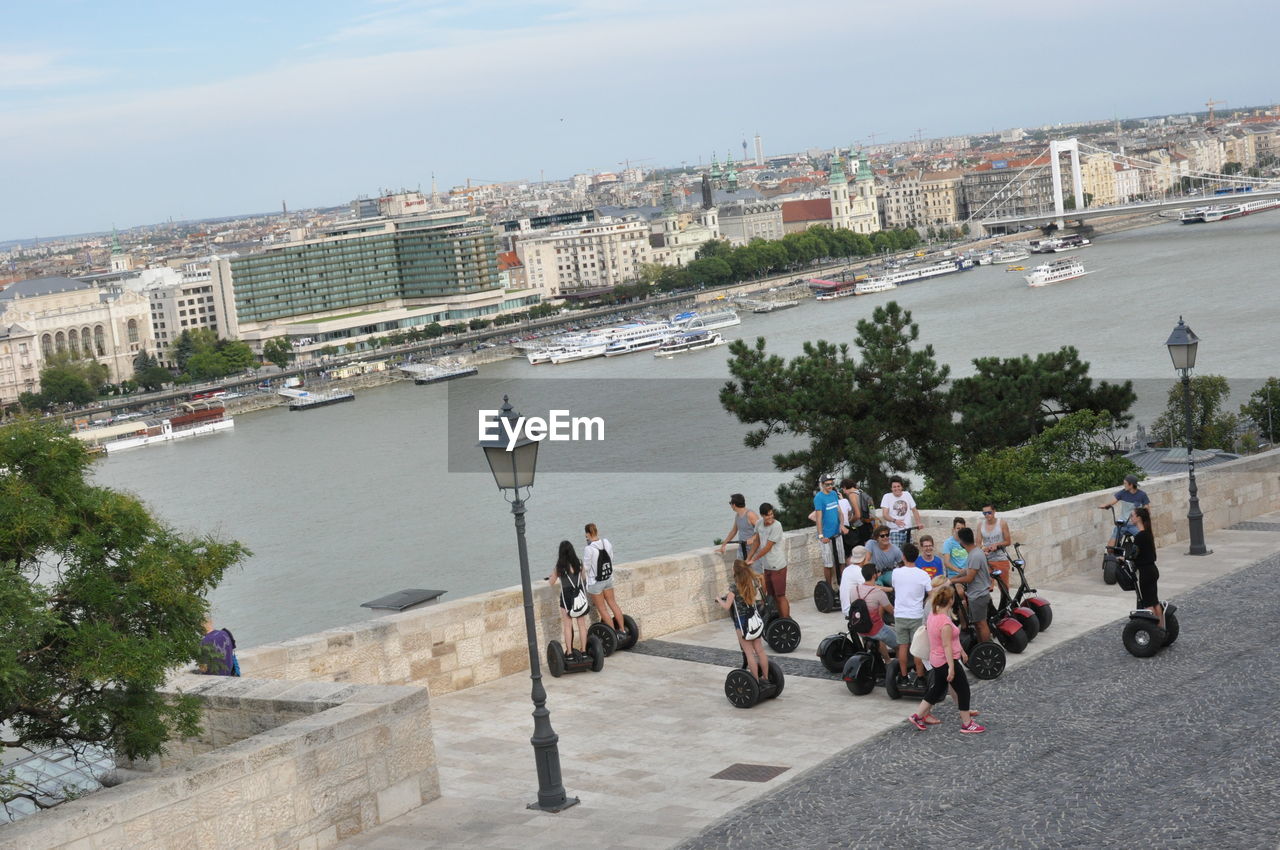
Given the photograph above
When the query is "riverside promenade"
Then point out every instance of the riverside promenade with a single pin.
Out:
(1086, 745)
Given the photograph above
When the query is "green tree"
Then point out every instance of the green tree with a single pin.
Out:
(1211, 427)
(1009, 400)
(1263, 407)
(191, 342)
(153, 378)
(712, 271)
(100, 603)
(66, 380)
(328, 351)
(1232, 168)
(237, 355)
(478, 324)
(1070, 457)
(207, 365)
(714, 248)
(433, 330)
(278, 350)
(875, 414)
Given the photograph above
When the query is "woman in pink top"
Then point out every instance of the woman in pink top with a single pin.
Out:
(944, 653)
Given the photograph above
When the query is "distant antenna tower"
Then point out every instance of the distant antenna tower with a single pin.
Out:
(284, 208)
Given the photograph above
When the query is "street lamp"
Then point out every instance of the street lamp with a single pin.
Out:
(513, 468)
(1182, 346)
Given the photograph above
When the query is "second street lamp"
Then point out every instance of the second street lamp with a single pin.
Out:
(1182, 344)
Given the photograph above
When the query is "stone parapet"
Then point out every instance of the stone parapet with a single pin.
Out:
(278, 765)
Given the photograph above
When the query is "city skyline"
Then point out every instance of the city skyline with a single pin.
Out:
(126, 121)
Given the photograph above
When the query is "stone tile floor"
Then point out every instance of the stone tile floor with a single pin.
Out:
(640, 741)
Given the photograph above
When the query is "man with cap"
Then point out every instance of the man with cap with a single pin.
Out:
(831, 523)
(1133, 499)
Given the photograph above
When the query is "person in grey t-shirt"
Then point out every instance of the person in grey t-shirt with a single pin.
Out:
(884, 555)
(976, 580)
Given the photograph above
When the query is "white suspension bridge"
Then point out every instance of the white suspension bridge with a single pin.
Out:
(1006, 209)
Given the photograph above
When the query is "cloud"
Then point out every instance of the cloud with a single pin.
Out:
(40, 70)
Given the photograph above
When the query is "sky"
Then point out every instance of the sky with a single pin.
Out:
(131, 113)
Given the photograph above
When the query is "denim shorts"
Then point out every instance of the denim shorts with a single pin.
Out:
(600, 586)
(887, 636)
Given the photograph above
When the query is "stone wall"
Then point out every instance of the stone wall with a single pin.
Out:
(468, 641)
(278, 765)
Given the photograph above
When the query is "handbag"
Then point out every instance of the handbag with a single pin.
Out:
(580, 604)
(920, 643)
(755, 625)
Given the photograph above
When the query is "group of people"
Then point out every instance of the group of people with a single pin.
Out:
(581, 579)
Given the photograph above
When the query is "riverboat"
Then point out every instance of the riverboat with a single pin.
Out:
(1228, 211)
(307, 400)
(774, 306)
(583, 348)
(192, 419)
(1070, 242)
(637, 336)
(1010, 255)
(877, 284)
(830, 290)
(711, 321)
(1056, 272)
(691, 340)
(1192, 216)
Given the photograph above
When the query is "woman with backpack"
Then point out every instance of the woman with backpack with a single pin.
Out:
(740, 600)
(573, 597)
(598, 558)
(945, 655)
(1145, 563)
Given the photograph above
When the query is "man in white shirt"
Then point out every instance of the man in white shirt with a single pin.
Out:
(898, 509)
(910, 586)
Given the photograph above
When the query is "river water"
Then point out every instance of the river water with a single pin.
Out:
(344, 504)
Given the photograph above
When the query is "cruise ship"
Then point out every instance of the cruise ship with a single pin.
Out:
(711, 321)
(636, 336)
(1056, 271)
(829, 290)
(583, 348)
(1069, 242)
(692, 340)
(1226, 211)
(1010, 255)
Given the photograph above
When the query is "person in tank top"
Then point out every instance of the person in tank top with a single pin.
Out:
(744, 526)
(995, 541)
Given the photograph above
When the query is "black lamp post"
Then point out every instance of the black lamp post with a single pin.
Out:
(1182, 348)
(513, 468)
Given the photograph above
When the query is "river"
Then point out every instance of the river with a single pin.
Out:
(347, 503)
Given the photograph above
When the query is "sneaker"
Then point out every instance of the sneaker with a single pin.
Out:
(921, 725)
(972, 728)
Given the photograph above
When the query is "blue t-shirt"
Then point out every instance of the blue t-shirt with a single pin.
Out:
(932, 567)
(958, 555)
(1136, 499)
(829, 504)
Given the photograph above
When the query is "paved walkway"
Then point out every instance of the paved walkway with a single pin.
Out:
(641, 741)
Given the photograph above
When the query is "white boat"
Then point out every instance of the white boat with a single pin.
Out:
(773, 306)
(1056, 272)
(1010, 255)
(711, 321)
(692, 340)
(1192, 216)
(637, 336)
(193, 419)
(582, 349)
(876, 284)
(1056, 246)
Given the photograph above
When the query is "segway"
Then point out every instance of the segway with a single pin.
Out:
(1114, 556)
(1025, 596)
(987, 658)
(781, 633)
(1142, 635)
(613, 639)
(864, 669)
(1025, 616)
(559, 662)
(744, 690)
(825, 597)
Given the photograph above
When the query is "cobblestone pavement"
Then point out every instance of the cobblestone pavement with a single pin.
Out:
(1088, 747)
(800, 664)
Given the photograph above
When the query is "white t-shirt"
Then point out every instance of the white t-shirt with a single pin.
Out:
(900, 508)
(910, 584)
(592, 553)
(847, 510)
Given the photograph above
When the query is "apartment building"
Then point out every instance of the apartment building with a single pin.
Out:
(585, 258)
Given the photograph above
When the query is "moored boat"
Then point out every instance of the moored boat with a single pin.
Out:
(692, 340)
(710, 321)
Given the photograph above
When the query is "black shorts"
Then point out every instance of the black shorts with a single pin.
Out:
(1148, 594)
(850, 538)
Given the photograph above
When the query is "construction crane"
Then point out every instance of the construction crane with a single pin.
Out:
(1211, 103)
(626, 163)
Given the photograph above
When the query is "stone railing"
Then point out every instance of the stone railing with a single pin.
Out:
(278, 764)
(458, 644)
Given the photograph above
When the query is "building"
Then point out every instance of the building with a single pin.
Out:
(19, 363)
(942, 198)
(901, 201)
(675, 238)
(742, 221)
(585, 258)
(184, 300)
(1008, 187)
(367, 277)
(1098, 177)
(864, 211)
(110, 324)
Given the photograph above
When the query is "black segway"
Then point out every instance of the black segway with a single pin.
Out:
(744, 690)
(987, 658)
(825, 597)
(1025, 596)
(613, 639)
(781, 633)
(1115, 555)
(559, 662)
(1142, 635)
(1008, 608)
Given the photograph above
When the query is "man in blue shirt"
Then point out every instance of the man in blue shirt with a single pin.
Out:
(1133, 499)
(830, 522)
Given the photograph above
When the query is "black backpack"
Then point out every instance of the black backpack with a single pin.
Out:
(604, 564)
(859, 616)
(865, 507)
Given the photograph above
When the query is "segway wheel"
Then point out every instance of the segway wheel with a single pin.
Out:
(741, 688)
(608, 637)
(633, 632)
(1013, 639)
(1143, 638)
(863, 681)
(987, 660)
(555, 659)
(1109, 570)
(834, 652)
(1170, 628)
(1030, 622)
(782, 635)
(776, 678)
(824, 598)
(891, 680)
(1045, 614)
(596, 650)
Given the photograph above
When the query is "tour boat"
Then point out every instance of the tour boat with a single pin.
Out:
(1192, 216)
(1056, 272)
(711, 321)
(636, 336)
(692, 340)
(1070, 242)
(877, 284)
(193, 419)
(1010, 255)
(830, 290)
(773, 306)
(583, 348)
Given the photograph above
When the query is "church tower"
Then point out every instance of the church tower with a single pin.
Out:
(867, 212)
(838, 189)
(730, 175)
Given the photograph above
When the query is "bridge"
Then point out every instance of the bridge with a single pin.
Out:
(989, 214)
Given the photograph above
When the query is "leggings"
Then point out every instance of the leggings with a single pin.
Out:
(937, 688)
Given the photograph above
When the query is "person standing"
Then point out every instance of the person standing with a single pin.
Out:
(744, 525)
(1133, 499)
(862, 513)
(217, 652)
(741, 598)
(568, 574)
(898, 509)
(944, 651)
(598, 560)
(830, 523)
(910, 586)
(1145, 564)
(976, 581)
(995, 540)
(768, 553)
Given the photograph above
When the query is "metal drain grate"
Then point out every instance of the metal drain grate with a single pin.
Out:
(750, 772)
(1255, 526)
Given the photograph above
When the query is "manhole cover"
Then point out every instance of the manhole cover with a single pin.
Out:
(750, 772)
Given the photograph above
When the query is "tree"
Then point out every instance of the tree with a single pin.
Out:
(328, 351)
(66, 380)
(1010, 400)
(433, 330)
(191, 342)
(478, 324)
(207, 365)
(1263, 407)
(236, 355)
(278, 351)
(714, 248)
(1211, 428)
(153, 378)
(1068, 458)
(100, 603)
(875, 415)
(1232, 167)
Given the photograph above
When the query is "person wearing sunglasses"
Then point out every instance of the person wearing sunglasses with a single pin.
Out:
(995, 541)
